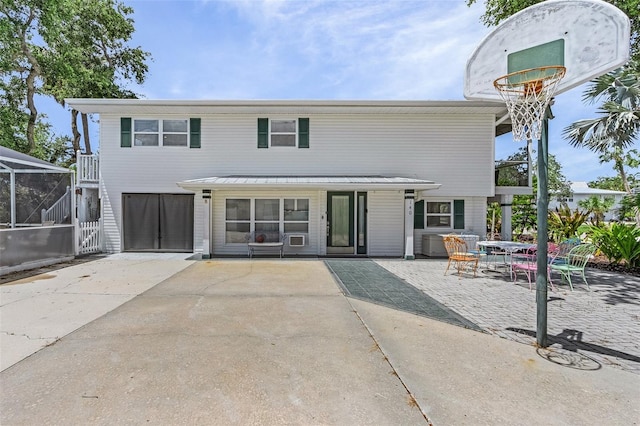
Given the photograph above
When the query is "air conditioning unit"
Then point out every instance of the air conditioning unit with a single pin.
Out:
(296, 240)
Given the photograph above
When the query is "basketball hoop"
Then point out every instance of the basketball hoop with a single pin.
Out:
(527, 94)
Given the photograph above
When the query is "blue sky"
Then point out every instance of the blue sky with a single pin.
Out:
(325, 49)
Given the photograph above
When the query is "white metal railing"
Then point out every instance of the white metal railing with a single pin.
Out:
(60, 211)
(87, 167)
(89, 237)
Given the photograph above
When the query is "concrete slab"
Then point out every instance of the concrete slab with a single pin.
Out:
(462, 377)
(218, 343)
(38, 310)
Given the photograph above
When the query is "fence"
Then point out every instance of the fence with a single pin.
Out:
(89, 237)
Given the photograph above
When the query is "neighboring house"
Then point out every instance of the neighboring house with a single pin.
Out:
(349, 177)
(581, 191)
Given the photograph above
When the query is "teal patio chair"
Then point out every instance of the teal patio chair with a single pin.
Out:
(575, 261)
(558, 255)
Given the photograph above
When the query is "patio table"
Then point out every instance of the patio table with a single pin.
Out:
(508, 247)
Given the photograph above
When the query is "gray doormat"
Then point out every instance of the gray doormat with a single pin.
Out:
(368, 281)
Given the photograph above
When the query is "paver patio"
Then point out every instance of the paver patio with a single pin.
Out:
(602, 326)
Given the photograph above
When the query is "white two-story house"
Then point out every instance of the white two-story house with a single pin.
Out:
(337, 177)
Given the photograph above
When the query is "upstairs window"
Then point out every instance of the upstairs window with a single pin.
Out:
(283, 133)
(150, 132)
(160, 132)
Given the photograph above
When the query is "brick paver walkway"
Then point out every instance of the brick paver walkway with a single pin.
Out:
(602, 325)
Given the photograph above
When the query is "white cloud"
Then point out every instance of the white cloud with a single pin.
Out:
(329, 49)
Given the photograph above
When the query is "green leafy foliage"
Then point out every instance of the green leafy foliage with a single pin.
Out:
(629, 206)
(563, 223)
(62, 49)
(525, 216)
(613, 134)
(619, 242)
(612, 183)
(598, 206)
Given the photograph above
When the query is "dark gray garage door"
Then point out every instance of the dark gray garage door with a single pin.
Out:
(158, 222)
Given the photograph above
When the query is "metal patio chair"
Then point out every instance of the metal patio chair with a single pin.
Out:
(575, 261)
(459, 254)
(525, 262)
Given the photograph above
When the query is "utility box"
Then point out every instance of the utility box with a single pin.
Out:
(433, 246)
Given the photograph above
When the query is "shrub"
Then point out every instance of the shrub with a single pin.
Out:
(618, 242)
(563, 223)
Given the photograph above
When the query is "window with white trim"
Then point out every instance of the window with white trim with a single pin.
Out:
(267, 216)
(150, 132)
(270, 216)
(283, 132)
(439, 214)
(296, 215)
(238, 219)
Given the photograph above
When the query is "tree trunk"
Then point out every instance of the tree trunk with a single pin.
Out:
(619, 165)
(34, 72)
(33, 112)
(74, 130)
(85, 130)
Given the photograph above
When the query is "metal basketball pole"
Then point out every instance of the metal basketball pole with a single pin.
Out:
(543, 208)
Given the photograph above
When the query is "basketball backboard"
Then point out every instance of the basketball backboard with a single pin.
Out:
(588, 37)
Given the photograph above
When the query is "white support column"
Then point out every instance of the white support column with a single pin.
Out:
(505, 204)
(409, 204)
(206, 229)
(74, 216)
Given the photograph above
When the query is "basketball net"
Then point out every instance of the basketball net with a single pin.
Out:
(527, 94)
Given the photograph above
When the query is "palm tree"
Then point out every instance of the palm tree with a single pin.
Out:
(618, 127)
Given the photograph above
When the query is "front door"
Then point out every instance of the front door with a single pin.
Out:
(346, 223)
(340, 223)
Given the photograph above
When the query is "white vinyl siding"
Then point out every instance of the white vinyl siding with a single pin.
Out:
(386, 223)
(453, 150)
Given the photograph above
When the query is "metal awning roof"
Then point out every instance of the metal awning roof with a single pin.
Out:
(309, 182)
(14, 161)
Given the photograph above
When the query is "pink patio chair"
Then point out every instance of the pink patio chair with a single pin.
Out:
(525, 262)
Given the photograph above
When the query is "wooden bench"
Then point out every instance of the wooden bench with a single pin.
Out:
(265, 241)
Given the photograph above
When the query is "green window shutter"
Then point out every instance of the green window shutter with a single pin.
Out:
(458, 214)
(194, 129)
(263, 133)
(303, 133)
(125, 132)
(418, 215)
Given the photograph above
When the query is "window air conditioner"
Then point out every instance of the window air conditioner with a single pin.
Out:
(296, 240)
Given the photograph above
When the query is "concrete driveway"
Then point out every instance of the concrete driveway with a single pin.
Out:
(276, 342)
